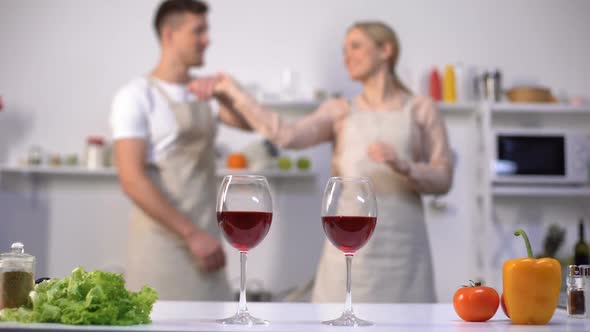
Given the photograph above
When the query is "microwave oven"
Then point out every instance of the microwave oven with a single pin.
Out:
(540, 156)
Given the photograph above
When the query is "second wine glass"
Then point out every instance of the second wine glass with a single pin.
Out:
(244, 214)
(349, 216)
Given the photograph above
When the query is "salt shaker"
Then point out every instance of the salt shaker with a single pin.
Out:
(576, 303)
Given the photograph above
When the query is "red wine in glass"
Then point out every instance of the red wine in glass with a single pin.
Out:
(244, 214)
(349, 215)
(348, 233)
(244, 229)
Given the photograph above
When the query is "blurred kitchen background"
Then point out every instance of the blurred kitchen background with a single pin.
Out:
(61, 62)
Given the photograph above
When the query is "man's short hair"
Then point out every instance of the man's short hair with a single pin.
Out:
(170, 8)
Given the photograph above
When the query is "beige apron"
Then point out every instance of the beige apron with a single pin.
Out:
(394, 265)
(186, 176)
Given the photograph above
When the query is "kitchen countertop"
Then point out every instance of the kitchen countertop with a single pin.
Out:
(201, 316)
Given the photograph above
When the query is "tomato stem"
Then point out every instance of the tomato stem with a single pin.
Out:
(527, 243)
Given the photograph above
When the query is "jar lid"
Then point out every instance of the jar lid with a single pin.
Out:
(17, 253)
(574, 271)
(95, 140)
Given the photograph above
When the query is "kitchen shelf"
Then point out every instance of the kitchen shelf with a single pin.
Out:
(311, 105)
(111, 172)
(269, 173)
(295, 105)
(57, 170)
(538, 191)
(553, 109)
(456, 108)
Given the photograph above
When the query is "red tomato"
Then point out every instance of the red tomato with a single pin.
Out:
(504, 306)
(476, 303)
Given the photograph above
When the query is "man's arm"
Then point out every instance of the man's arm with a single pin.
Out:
(130, 156)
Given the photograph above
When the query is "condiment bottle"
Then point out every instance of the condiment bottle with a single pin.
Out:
(460, 89)
(576, 303)
(449, 85)
(95, 152)
(17, 271)
(492, 84)
(434, 86)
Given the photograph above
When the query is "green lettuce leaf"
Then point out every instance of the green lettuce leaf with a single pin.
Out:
(85, 298)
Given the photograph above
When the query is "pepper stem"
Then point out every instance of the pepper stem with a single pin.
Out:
(527, 243)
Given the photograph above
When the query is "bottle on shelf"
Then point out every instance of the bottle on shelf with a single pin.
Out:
(460, 94)
(95, 152)
(435, 88)
(449, 85)
(581, 250)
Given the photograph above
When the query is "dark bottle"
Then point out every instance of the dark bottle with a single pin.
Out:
(581, 251)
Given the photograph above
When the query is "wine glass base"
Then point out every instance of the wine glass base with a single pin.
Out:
(348, 319)
(243, 318)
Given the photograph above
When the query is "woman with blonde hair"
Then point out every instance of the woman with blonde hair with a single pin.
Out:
(396, 139)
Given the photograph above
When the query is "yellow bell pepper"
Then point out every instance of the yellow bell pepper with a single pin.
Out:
(531, 287)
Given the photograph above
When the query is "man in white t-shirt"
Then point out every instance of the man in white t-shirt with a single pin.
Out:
(164, 150)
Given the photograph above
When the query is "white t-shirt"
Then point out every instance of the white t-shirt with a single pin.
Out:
(140, 111)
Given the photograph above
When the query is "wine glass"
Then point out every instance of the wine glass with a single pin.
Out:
(349, 216)
(244, 214)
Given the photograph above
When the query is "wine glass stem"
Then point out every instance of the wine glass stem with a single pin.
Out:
(242, 307)
(348, 303)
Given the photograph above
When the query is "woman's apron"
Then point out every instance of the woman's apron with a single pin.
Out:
(394, 265)
(186, 176)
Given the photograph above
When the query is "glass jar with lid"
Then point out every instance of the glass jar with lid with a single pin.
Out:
(576, 304)
(585, 273)
(17, 270)
(95, 152)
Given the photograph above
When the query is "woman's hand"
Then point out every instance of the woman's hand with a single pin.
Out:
(225, 85)
(385, 153)
(221, 86)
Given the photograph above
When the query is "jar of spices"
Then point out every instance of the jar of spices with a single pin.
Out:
(17, 271)
(576, 302)
(585, 272)
(492, 85)
(95, 152)
(35, 156)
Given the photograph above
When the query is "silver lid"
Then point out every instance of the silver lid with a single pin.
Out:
(17, 252)
(573, 271)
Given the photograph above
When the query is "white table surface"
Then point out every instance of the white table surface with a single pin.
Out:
(201, 316)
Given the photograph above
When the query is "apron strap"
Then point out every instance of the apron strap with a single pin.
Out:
(408, 104)
(152, 81)
(351, 105)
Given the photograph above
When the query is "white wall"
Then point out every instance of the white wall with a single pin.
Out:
(62, 60)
